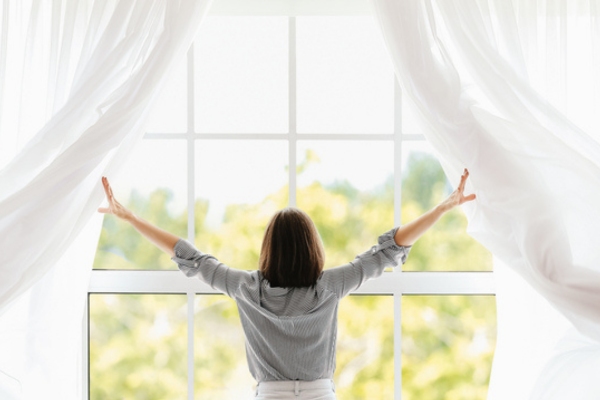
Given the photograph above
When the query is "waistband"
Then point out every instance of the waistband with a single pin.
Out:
(296, 385)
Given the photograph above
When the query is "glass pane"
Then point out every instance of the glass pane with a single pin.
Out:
(138, 346)
(365, 348)
(446, 246)
(412, 123)
(153, 185)
(221, 369)
(169, 113)
(345, 80)
(347, 189)
(241, 75)
(239, 186)
(447, 346)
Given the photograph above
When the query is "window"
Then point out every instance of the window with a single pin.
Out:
(287, 110)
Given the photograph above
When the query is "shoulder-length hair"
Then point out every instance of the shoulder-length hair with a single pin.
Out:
(292, 253)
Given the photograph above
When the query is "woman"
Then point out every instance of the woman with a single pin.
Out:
(288, 307)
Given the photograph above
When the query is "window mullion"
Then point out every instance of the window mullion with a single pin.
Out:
(190, 331)
(190, 144)
(397, 344)
(397, 154)
(407, 283)
(292, 140)
(191, 164)
(397, 222)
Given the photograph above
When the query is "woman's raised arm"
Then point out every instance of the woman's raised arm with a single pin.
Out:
(407, 234)
(162, 239)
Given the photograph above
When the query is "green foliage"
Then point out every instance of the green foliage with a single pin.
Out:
(423, 181)
(447, 346)
(138, 346)
(447, 341)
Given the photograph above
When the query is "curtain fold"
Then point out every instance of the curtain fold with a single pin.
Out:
(77, 82)
(466, 64)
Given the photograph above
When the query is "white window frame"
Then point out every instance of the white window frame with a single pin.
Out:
(396, 283)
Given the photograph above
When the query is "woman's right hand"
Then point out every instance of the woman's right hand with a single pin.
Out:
(114, 207)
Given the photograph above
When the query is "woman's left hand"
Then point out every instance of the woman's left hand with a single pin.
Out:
(458, 197)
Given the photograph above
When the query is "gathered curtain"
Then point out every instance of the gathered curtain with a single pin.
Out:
(510, 90)
(77, 80)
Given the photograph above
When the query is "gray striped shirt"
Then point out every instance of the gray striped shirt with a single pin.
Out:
(290, 332)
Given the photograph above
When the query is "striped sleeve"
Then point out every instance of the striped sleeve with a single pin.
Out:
(194, 263)
(368, 265)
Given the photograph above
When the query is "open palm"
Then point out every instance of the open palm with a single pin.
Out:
(114, 207)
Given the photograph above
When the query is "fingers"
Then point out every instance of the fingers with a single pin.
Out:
(461, 188)
(106, 187)
(463, 180)
(470, 197)
(109, 196)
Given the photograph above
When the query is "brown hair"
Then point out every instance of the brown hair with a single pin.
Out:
(292, 253)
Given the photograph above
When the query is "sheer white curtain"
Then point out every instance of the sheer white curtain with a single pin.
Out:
(77, 79)
(493, 80)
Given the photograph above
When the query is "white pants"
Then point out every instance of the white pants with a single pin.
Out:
(321, 389)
